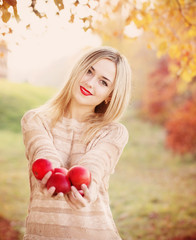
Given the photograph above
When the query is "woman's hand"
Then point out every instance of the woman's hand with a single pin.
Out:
(43, 189)
(73, 198)
(77, 201)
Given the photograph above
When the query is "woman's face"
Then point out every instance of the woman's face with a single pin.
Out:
(96, 85)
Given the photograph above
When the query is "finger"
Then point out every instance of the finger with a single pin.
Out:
(76, 195)
(86, 192)
(76, 198)
(59, 196)
(45, 178)
(81, 192)
(73, 206)
(50, 191)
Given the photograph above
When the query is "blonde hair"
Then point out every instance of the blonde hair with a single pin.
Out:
(104, 113)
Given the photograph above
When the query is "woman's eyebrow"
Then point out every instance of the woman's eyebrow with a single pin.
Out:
(101, 76)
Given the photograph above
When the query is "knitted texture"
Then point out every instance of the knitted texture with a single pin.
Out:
(53, 219)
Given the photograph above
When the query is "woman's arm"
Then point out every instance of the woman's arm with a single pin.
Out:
(101, 160)
(103, 156)
(38, 143)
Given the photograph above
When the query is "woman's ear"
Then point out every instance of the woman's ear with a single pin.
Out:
(108, 99)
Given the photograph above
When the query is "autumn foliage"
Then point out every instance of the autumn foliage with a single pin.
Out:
(181, 128)
(162, 103)
(160, 96)
(5, 10)
(170, 26)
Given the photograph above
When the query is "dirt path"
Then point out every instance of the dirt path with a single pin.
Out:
(6, 230)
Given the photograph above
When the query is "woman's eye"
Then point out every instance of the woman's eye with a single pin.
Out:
(89, 71)
(104, 83)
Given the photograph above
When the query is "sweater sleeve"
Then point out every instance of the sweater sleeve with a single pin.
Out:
(103, 156)
(37, 139)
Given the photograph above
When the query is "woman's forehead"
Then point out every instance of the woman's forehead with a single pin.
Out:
(106, 68)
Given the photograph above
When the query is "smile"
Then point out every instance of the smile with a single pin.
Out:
(84, 91)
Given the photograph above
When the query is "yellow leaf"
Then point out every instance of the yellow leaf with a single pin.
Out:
(149, 18)
(11, 2)
(159, 54)
(145, 5)
(1, 54)
(192, 32)
(163, 46)
(186, 76)
(192, 66)
(181, 87)
(182, 3)
(174, 68)
(6, 16)
(149, 46)
(174, 51)
(72, 17)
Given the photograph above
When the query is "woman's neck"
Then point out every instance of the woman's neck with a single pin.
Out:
(78, 113)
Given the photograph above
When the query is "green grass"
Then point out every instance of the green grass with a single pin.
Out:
(152, 191)
(16, 98)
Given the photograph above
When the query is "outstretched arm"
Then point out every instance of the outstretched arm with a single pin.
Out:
(101, 160)
(105, 152)
(37, 140)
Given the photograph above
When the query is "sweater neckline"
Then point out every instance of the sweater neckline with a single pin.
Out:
(73, 120)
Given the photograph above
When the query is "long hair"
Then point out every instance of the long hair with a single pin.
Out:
(103, 113)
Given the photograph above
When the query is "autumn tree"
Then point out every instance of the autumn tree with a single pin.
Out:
(171, 28)
(160, 96)
(181, 128)
(72, 10)
(163, 104)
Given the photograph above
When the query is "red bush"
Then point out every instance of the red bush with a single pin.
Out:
(160, 97)
(161, 104)
(181, 129)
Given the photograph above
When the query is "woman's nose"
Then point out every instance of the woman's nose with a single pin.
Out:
(90, 81)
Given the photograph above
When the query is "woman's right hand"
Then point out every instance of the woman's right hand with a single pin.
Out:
(43, 189)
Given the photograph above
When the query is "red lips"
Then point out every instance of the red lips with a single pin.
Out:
(84, 91)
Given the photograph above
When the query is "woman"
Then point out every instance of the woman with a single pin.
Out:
(79, 127)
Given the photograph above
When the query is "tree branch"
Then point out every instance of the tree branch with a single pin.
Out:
(37, 13)
(185, 19)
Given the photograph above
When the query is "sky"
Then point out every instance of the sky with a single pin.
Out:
(37, 52)
(47, 40)
(55, 42)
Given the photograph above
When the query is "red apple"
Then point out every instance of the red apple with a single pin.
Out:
(81, 192)
(60, 181)
(61, 170)
(79, 175)
(40, 167)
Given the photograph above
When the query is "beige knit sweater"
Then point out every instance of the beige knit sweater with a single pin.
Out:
(52, 219)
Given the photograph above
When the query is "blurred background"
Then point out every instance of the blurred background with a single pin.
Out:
(153, 193)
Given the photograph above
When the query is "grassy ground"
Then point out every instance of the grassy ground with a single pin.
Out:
(15, 100)
(152, 191)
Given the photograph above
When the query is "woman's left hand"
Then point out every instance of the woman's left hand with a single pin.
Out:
(77, 201)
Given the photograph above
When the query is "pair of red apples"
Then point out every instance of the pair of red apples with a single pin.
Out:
(61, 178)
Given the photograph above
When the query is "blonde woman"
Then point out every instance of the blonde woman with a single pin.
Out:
(79, 126)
